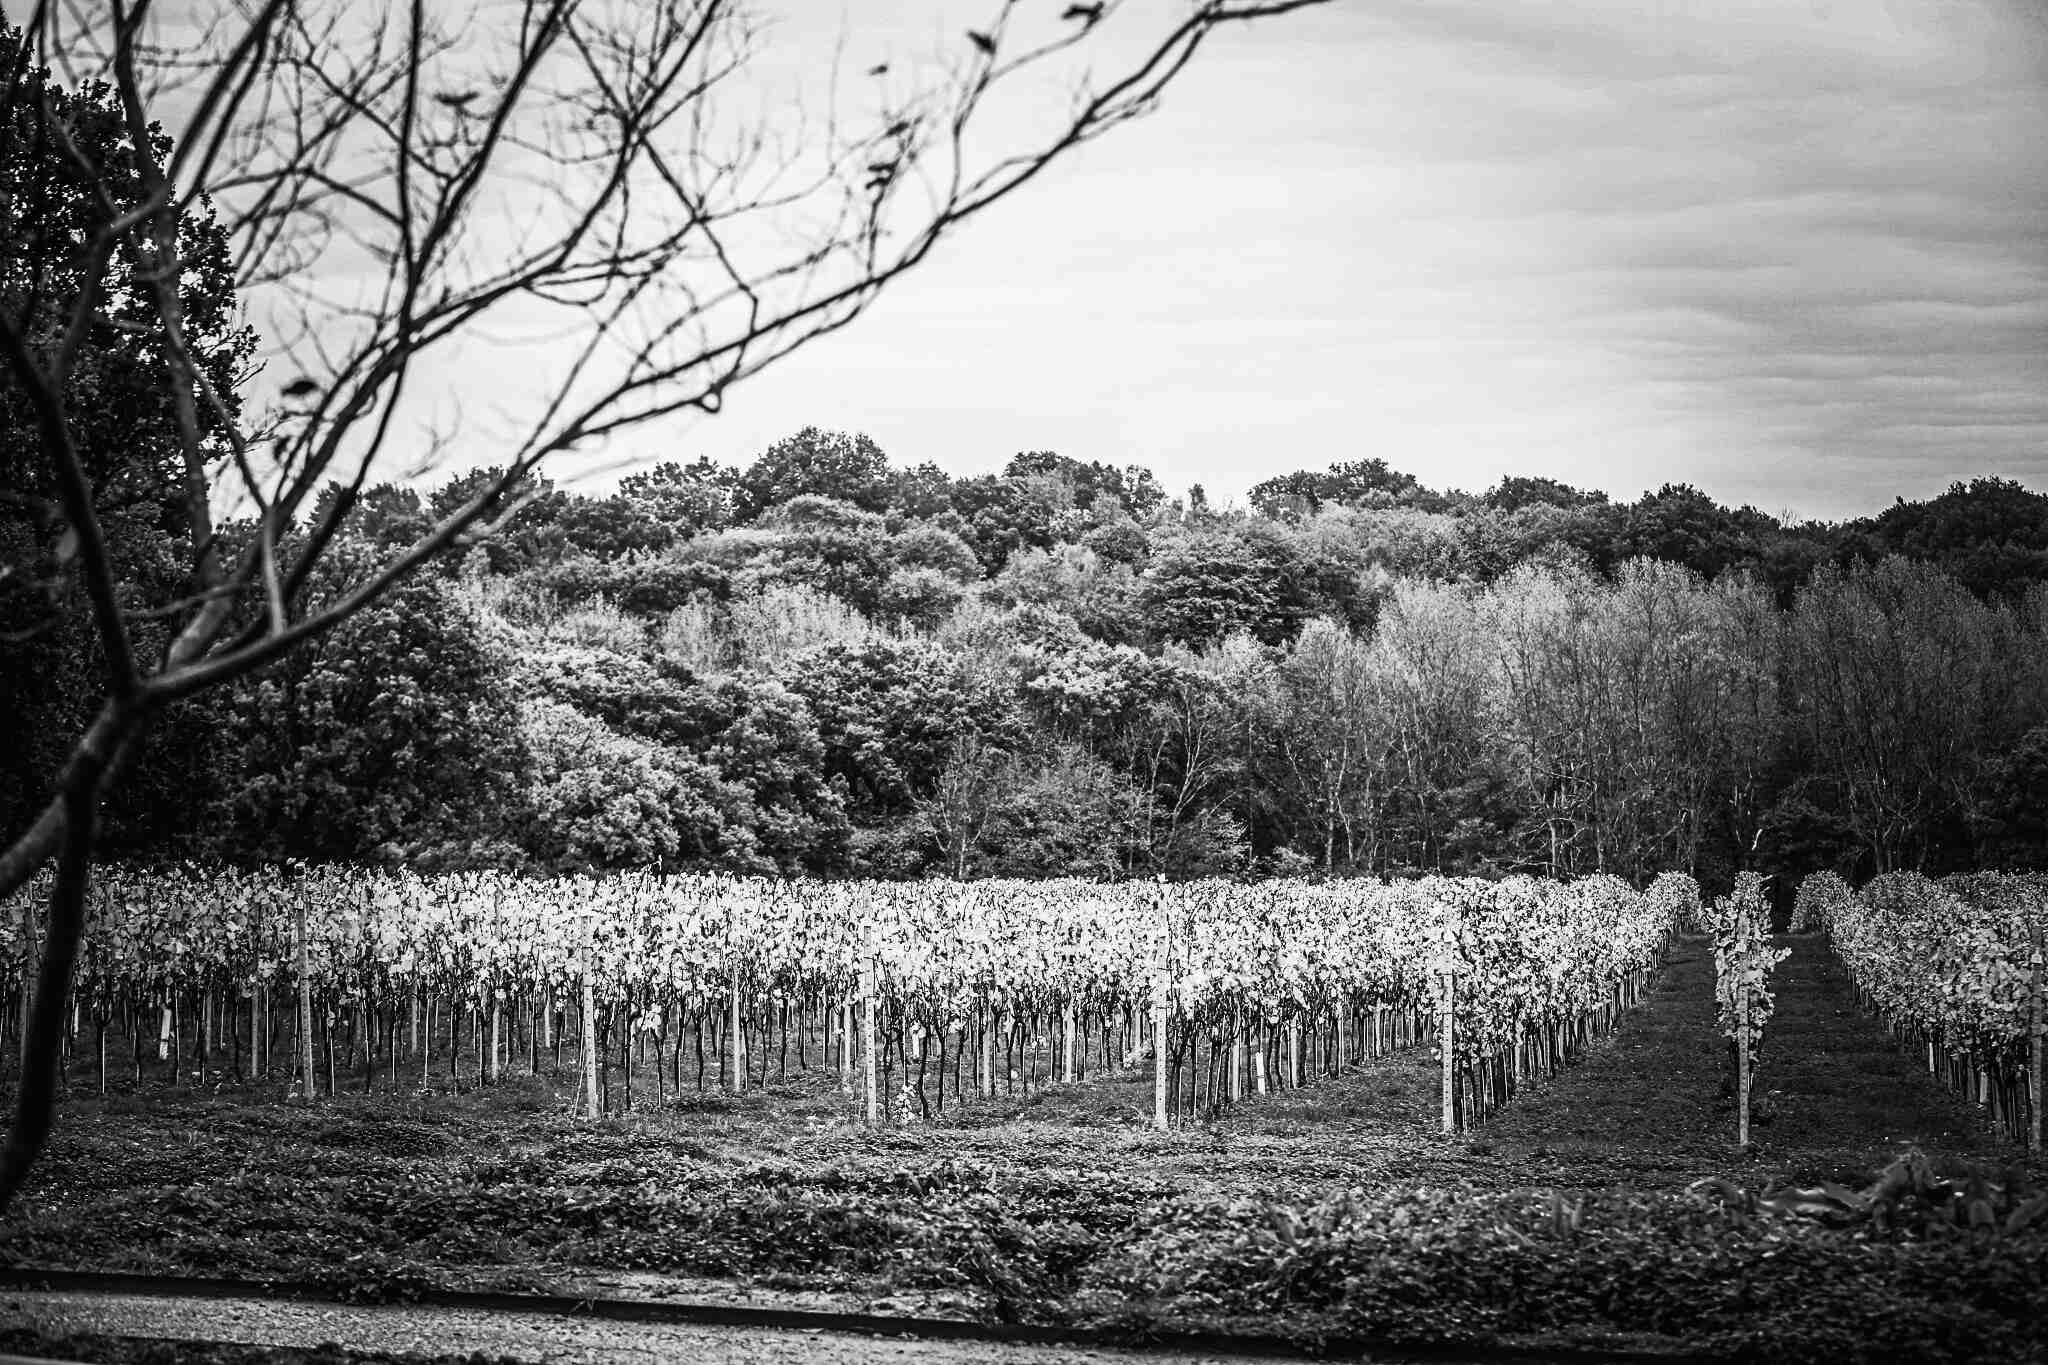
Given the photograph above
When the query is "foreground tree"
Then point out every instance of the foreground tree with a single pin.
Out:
(386, 182)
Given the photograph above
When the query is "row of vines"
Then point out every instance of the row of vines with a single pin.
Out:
(916, 994)
(1954, 967)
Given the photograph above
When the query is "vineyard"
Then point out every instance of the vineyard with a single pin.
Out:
(914, 992)
(1374, 1106)
(1955, 967)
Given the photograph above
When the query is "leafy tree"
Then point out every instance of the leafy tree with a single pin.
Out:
(1436, 653)
(117, 396)
(597, 800)
(611, 527)
(1991, 535)
(1333, 742)
(1103, 597)
(888, 715)
(702, 495)
(771, 799)
(1284, 496)
(1681, 525)
(822, 543)
(1077, 687)
(653, 584)
(637, 696)
(1514, 492)
(118, 402)
(814, 463)
(1254, 577)
(920, 494)
(383, 515)
(925, 546)
(2010, 805)
(1001, 515)
(1900, 693)
(916, 599)
(764, 740)
(1353, 483)
(972, 788)
(1063, 813)
(1132, 491)
(528, 506)
(761, 629)
(391, 737)
(1121, 541)
(1787, 559)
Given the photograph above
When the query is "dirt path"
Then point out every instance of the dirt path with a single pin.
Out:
(1839, 1081)
(1652, 1105)
(528, 1337)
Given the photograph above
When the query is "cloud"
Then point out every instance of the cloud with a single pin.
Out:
(1791, 251)
(1801, 232)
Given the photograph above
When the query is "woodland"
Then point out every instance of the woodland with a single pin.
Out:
(823, 664)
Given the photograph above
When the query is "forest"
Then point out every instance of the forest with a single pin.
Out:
(824, 664)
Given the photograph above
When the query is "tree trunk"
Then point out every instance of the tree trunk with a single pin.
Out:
(36, 1099)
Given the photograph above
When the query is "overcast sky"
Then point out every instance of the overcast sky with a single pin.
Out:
(1792, 251)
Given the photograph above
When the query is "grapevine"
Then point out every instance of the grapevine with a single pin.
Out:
(1264, 985)
(1953, 967)
(1739, 925)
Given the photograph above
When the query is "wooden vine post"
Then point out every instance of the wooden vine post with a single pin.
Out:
(1447, 1012)
(869, 986)
(1743, 1080)
(1447, 1040)
(593, 1099)
(737, 1039)
(846, 1046)
(1237, 1056)
(497, 1027)
(1070, 1014)
(305, 975)
(2034, 1028)
(985, 1055)
(1162, 982)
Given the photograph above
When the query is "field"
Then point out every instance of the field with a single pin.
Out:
(1572, 1216)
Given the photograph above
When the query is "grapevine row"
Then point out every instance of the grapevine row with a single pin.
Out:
(1262, 985)
(1953, 966)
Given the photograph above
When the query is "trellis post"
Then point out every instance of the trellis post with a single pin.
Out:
(2034, 1027)
(1448, 1038)
(737, 1040)
(1161, 983)
(593, 1098)
(871, 1083)
(305, 995)
(1742, 1028)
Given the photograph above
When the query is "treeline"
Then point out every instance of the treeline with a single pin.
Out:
(819, 663)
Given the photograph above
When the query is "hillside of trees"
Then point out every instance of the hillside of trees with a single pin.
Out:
(822, 663)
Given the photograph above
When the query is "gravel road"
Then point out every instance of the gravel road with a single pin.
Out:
(527, 1336)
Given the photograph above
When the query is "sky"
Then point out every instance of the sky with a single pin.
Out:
(1794, 252)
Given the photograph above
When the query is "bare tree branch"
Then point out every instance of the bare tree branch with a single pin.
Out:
(392, 182)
